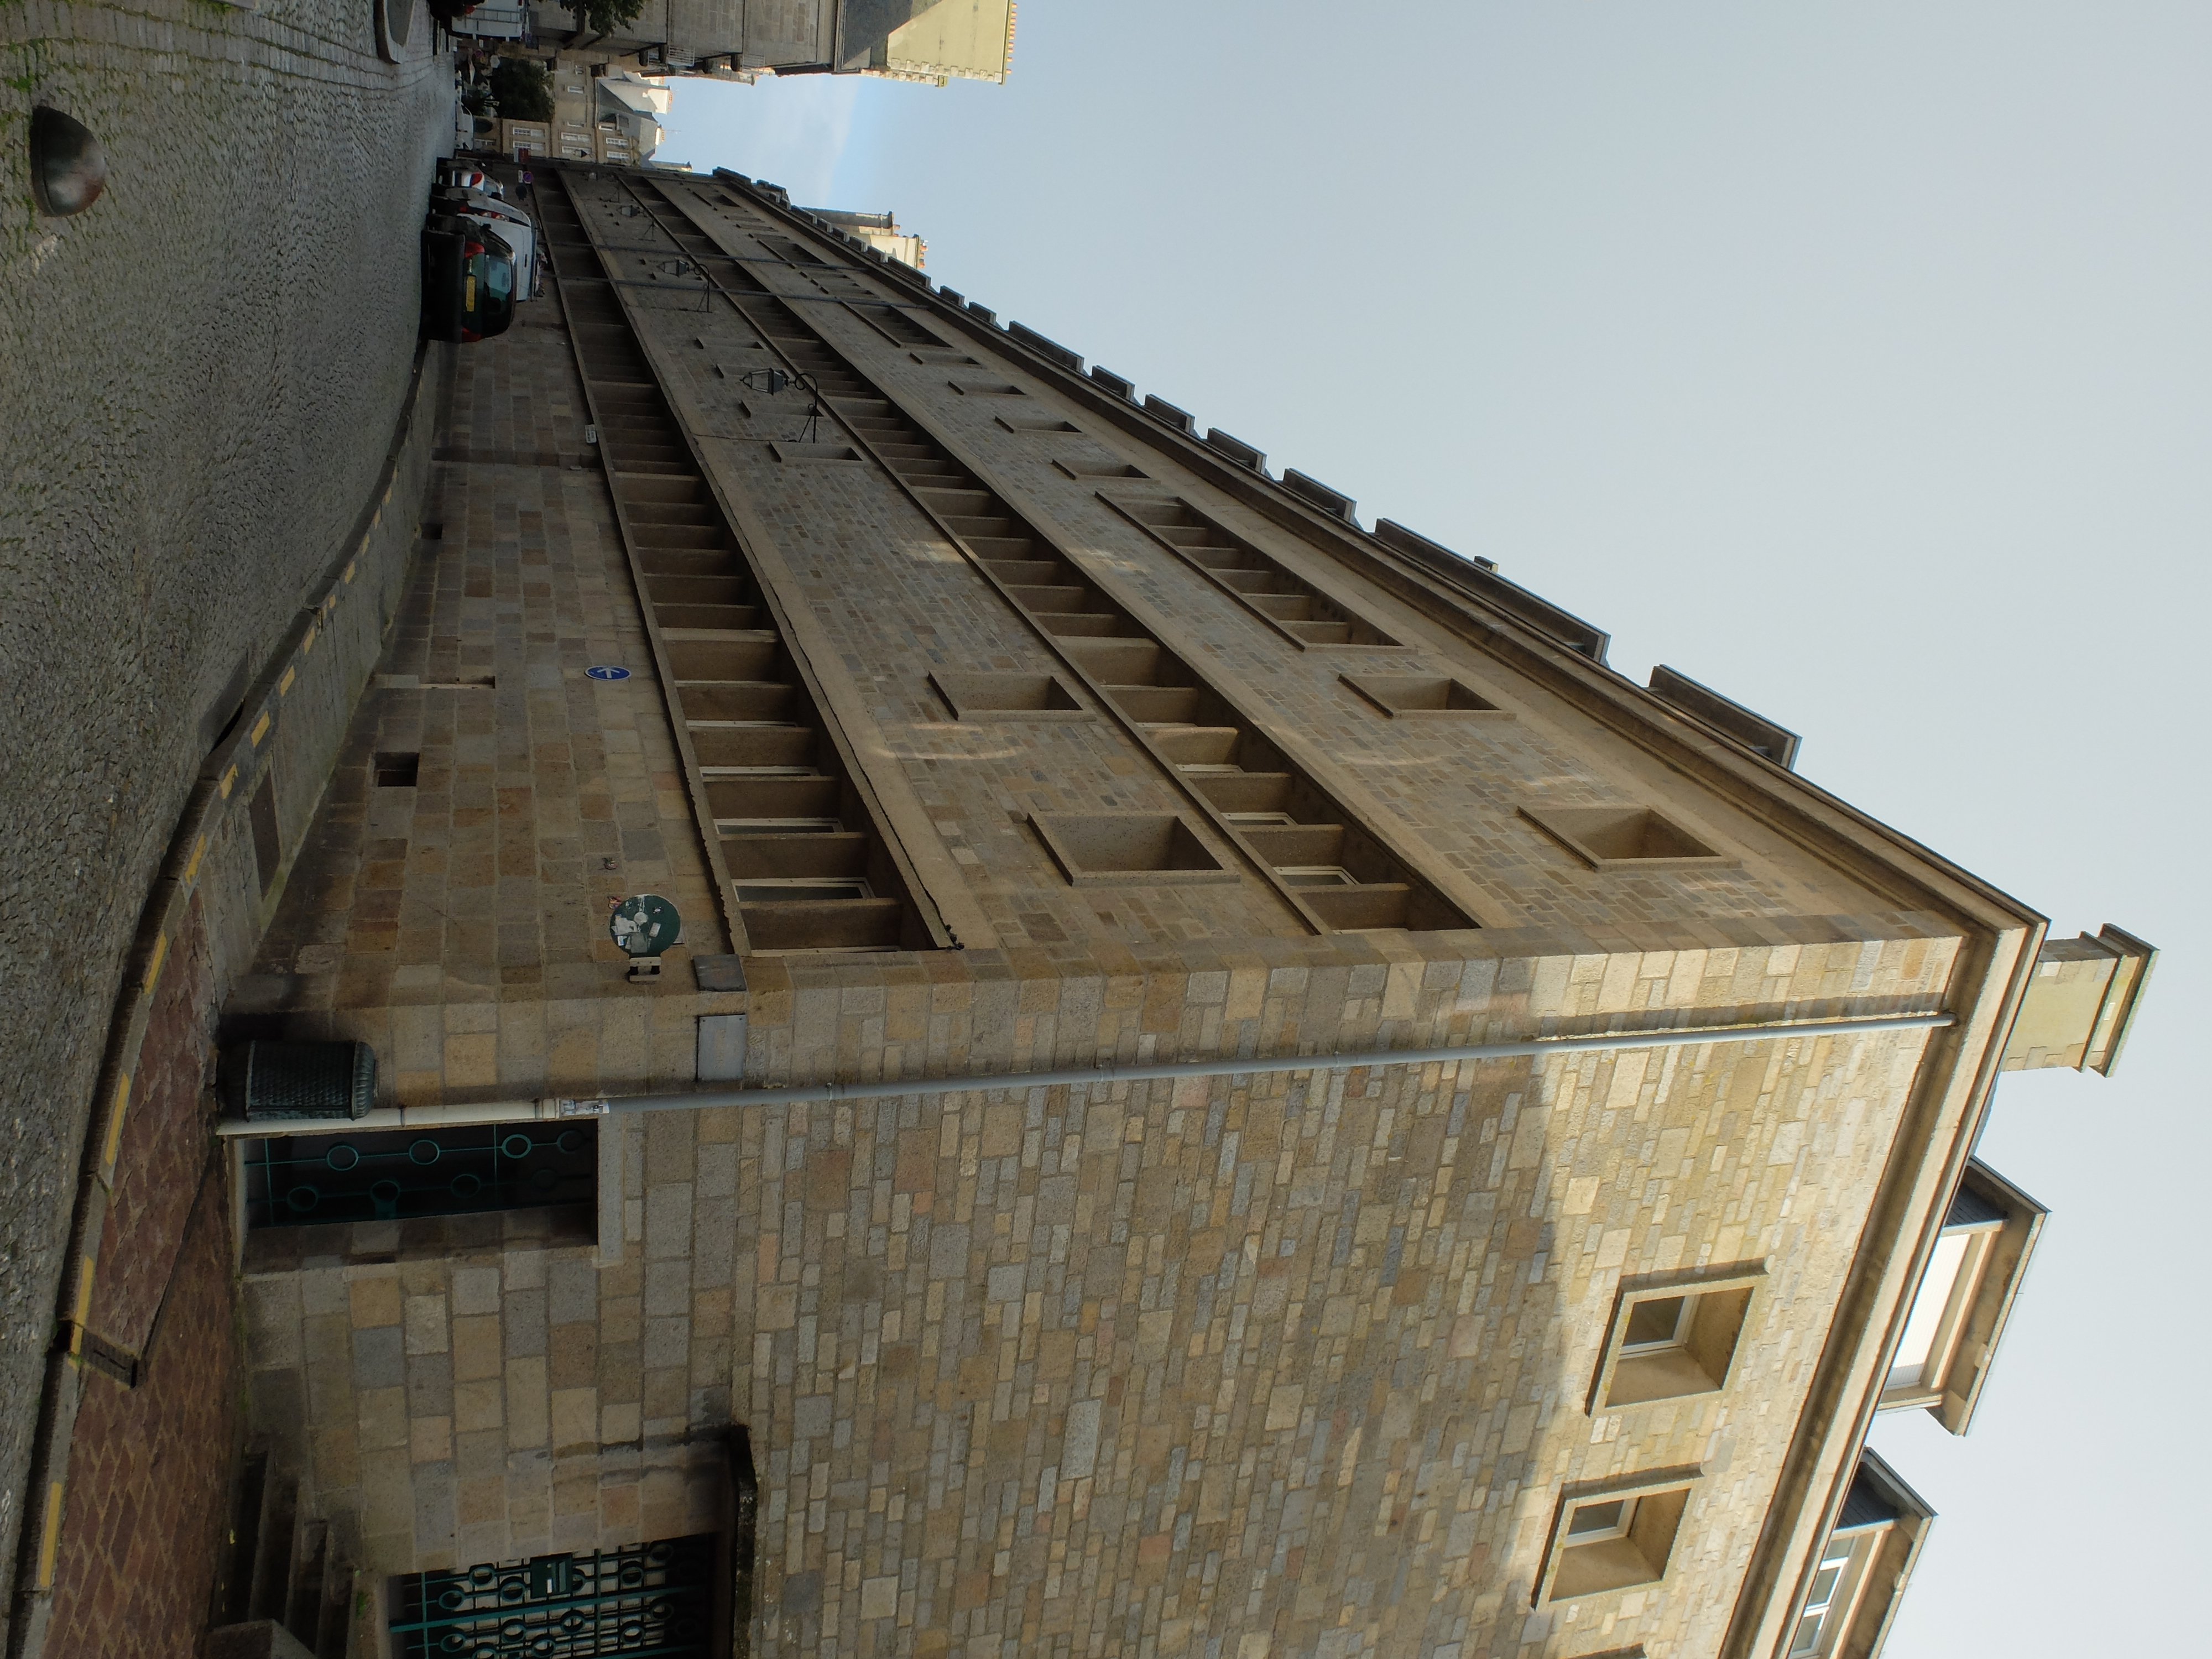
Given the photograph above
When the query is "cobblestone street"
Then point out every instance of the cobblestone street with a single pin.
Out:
(202, 376)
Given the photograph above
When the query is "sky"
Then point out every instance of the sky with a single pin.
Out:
(1855, 360)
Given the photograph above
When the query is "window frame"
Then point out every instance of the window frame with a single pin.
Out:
(1568, 824)
(1657, 1501)
(1746, 1280)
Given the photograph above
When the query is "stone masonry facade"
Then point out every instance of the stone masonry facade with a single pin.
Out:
(1233, 1367)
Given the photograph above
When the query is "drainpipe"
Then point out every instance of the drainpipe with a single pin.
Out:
(509, 1111)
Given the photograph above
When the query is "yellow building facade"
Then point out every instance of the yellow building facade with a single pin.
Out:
(1223, 1086)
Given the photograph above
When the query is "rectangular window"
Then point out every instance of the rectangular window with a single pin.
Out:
(648, 1599)
(898, 325)
(1008, 696)
(1128, 849)
(1098, 468)
(1623, 837)
(316, 1176)
(396, 771)
(800, 889)
(1259, 581)
(1851, 1583)
(1671, 1337)
(1826, 1614)
(1316, 875)
(1614, 1538)
(1423, 696)
(1959, 1307)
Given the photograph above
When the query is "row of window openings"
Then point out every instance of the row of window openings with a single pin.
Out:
(1613, 1543)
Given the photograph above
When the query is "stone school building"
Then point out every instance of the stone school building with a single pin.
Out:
(1212, 1083)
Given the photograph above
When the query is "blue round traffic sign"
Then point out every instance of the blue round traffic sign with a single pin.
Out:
(607, 672)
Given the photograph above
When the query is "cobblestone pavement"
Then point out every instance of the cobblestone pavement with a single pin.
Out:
(202, 374)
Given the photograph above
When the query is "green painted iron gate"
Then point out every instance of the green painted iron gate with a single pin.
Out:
(648, 1601)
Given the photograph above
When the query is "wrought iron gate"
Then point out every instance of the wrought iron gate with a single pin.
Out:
(649, 1602)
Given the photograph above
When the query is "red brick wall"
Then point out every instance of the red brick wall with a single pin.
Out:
(146, 1507)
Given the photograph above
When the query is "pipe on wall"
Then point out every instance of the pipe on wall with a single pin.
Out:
(508, 1111)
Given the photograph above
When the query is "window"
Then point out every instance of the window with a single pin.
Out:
(895, 324)
(989, 389)
(320, 1175)
(1128, 849)
(1096, 467)
(1422, 696)
(1316, 875)
(1851, 1583)
(1623, 837)
(800, 889)
(1827, 1610)
(1965, 1294)
(396, 771)
(1008, 696)
(1259, 581)
(1672, 1338)
(1614, 1536)
(654, 1599)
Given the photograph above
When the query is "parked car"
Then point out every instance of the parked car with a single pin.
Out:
(466, 175)
(470, 279)
(515, 228)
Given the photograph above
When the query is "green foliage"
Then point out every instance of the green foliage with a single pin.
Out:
(606, 16)
(522, 90)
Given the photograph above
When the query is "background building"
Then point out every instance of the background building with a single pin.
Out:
(879, 231)
(903, 39)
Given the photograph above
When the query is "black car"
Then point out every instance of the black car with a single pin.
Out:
(468, 280)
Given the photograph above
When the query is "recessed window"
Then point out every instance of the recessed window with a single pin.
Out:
(1671, 1340)
(643, 1598)
(1099, 468)
(1616, 1537)
(318, 1176)
(1965, 1292)
(988, 389)
(1316, 875)
(1867, 1556)
(1253, 577)
(1623, 837)
(1008, 696)
(1128, 849)
(1422, 696)
(800, 889)
(395, 771)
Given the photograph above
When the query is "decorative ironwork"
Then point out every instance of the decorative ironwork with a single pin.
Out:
(304, 1180)
(649, 1602)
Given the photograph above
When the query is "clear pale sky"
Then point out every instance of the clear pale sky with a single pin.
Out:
(1854, 359)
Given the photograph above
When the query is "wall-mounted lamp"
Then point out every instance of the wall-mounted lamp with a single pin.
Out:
(68, 169)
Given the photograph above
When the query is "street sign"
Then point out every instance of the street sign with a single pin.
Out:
(606, 671)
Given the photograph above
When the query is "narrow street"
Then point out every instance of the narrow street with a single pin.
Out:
(201, 372)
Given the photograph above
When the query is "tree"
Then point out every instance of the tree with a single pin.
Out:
(522, 90)
(606, 16)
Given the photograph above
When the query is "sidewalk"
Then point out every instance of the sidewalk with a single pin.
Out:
(201, 369)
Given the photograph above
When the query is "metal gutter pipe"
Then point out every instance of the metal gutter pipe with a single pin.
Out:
(398, 1117)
